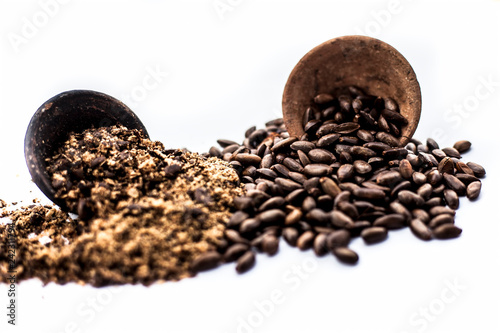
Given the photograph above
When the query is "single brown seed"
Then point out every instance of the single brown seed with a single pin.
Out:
(304, 146)
(249, 225)
(284, 144)
(389, 178)
(434, 177)
(462, 146)
(438, 210)
(400, 209)
(317, 170)
(339, 219)
(327, 140)
(466, 179)
(235, 237)
(441, 219)
(342, 148)
(287, 185)
(323, 99)
(349, 209)
(473, 190)
(363, 152)
(374, 235)
(338, 238)
(293, 217)
(206, 261)
(281, 170)
(451, 152)
(290, 235)
(405, 168)
(225, 143)
(464, 168)
(298, 177)
(377, 146)
(250, 131)
(454, 183)
(258, 196)
(312, 126)
(425, 191)
(368, 193)
(326, 128)
(419, 178)
(451, 198)
(237, 218)
(446, 165)
(390, 104)
(245, 262)
(390, 221)
(319, 155)
(432, 202)
(243, 203)
(345, 172)
(395, 117)
(373, 185)
(415, 160)
(383, 125)
(319, 246)
(438, 153)
(274, 202)
(409, 198)
(478, 170)
(387, 139)
(247, 159)
(420, 230)
(267, 173)
(304, 160)
(432, 144)
(342, 196)
(273, 216)
(329, 186)
(447, 231)
(317, 215)
(305, 241)
(365, 135)
(347, 127)
(346, 255)
(362, 167)
(308, 204)
(267, 161)
(429, 159)
(270, 244)
(421, 214)
(234, 252)
(292, 164)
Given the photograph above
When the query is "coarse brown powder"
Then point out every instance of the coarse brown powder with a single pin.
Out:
(145, 213)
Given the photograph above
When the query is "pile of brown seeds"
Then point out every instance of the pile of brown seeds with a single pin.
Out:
(347, 176)
(145, 213)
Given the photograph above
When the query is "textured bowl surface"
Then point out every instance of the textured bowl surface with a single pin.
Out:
(71, 111)
(365, 62)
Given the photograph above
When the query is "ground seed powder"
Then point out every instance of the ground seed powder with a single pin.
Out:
(145, 213)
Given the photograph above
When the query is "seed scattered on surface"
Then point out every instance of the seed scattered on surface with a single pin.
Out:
(447, 231)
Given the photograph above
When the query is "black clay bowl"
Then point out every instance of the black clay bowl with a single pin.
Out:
(71, 111)
(365, 62)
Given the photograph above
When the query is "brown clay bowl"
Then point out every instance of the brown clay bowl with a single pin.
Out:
(365, 62)
(71, 111)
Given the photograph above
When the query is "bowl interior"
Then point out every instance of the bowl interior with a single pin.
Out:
(368, 63)
(71, 111)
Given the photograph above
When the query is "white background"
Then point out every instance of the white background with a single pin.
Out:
(218, 73)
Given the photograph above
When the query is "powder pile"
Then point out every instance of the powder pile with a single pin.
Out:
(145, 213)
